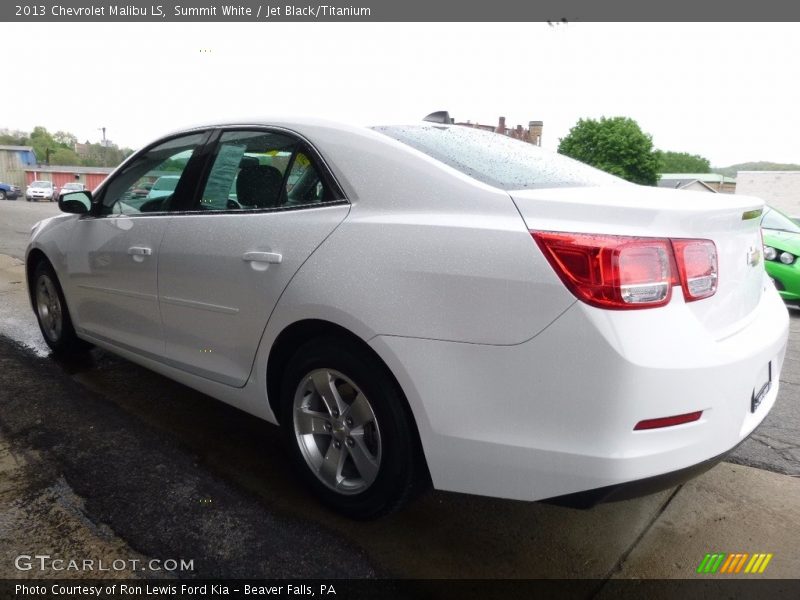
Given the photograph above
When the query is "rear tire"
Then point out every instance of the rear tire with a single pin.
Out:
(348, 429)
(52, 313)
(2, 194)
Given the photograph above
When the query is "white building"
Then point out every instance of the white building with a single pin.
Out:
(780, 189)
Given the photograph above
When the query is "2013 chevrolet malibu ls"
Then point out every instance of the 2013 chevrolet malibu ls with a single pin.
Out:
(427, 303)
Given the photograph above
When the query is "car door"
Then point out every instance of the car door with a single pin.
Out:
(112, 261)
(267, 203)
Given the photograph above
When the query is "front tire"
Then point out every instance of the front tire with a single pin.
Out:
(349, 430)
(52, 314)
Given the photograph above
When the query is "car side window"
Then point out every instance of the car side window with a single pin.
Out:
(304, 184)
(149, 182)
(255, 170)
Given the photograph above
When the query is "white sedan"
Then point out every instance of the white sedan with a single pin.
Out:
(40, 190)
(427, 303)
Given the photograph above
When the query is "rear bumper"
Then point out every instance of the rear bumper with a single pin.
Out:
(638, 488)
(556, 415)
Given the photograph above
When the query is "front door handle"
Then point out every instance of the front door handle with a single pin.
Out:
(139, 251)
(263, 257)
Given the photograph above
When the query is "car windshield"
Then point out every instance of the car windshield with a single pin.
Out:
(41, 184)
(498, 160)
(73, 186)
(773, 219)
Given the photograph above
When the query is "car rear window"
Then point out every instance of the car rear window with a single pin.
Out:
(496, 159)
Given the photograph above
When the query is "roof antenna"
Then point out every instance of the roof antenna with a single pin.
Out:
(440, 116)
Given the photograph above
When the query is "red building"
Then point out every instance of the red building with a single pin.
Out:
(88, 176)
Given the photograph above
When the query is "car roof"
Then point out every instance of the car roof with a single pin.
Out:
(299, 124)
(324, 133)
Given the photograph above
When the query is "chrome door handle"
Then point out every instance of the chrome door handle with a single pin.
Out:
(139, 251)
(264, 257)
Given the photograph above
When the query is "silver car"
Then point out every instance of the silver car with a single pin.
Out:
(40, 190)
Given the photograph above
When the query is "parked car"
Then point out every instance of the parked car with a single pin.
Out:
(71, 187)
(142, 189)
(163, 186)
(781, 249)
(41, 190)
(8, 191)
(428, 303)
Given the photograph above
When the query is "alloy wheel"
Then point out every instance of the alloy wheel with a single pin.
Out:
(337, 431)
(48, 308)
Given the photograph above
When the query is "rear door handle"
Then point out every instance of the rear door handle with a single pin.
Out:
(139, 251)
(263, 257)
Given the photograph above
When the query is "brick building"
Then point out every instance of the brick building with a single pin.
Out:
(532, 135)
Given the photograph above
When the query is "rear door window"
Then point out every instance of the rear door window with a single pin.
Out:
(258, 170)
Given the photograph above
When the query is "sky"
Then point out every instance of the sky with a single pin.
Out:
(727, 91)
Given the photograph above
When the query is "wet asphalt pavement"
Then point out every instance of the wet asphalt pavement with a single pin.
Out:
(155, 491)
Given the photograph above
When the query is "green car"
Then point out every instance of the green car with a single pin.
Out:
(781, 249)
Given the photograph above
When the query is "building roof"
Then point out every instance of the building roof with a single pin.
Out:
(680, 184)
(16, 148)
(702, 183)
(704, 177)
(770, 172)
(69, 169)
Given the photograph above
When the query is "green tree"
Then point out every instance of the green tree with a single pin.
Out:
(616, 145)
(64, 156)
(681, 162)
(14, 138)
(43, 143)
(66, 139)
(60, 148)
(98, 155)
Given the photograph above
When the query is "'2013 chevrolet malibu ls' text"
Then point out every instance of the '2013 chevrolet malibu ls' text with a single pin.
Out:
(426, 303)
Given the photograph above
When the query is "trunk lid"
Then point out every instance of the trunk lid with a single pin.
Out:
(657, 212)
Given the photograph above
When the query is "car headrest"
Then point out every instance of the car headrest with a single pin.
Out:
(259, 186)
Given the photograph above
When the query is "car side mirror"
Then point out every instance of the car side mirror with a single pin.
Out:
(78, 203)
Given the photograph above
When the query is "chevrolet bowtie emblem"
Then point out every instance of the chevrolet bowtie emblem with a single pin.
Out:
(753, 256)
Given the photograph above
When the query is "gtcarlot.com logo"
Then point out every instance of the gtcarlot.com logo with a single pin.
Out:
(734, 563)
(45, 562)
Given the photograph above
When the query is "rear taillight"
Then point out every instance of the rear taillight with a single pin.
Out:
(697, 267)
(626, 272)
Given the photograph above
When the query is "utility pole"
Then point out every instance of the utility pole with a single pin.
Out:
(105, 146)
